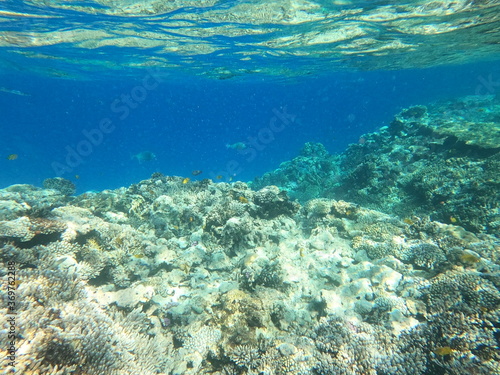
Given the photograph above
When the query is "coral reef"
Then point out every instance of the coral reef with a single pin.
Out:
(183, 278)
(442, 162)
(63, 331)
(28, 200)
(64, 186)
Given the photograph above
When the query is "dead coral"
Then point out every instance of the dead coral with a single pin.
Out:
(60, 328)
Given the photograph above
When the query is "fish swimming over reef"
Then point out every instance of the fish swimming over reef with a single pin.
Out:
(237, 146)
(144, 156)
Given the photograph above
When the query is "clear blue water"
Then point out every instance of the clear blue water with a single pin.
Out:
(54, 93)
(106, 93)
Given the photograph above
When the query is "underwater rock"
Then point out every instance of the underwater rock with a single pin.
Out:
(25, 229)
(415, 112)
(272, 202)
(469, 121)
(28, 200)
(385, 277)
(306, 176)
(18, 229)
(66, 187)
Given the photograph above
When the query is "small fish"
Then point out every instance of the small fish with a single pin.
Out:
(139, 256)
(28, 265)
(219, 177)
(453, 219)
(237, 146)
(144, 156)
(469, 258)
(243, 199)
(77, 176)
(186, 180)
(444, 350)
(15, 92)
(12, 156)
(196, 172)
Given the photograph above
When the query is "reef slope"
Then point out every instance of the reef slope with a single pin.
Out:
(441, 162)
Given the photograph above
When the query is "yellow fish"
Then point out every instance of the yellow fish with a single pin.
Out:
(186, 180)
(243, 199)
(469, 258)
(12, 156)
(444, 350)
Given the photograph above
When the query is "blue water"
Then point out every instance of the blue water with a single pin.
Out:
(73, 109)
(188, 124)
